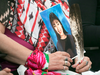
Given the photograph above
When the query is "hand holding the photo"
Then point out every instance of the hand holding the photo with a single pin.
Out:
(59, 61)
(83, 66)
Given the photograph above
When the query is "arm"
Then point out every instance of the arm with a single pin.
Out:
(16, 52)
(2, 28)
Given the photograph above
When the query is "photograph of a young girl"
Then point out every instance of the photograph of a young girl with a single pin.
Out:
(59, 29)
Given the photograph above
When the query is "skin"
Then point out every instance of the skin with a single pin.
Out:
(6, 71)
(58, 28)
(16, 52)
(19, 54)
(82, 67)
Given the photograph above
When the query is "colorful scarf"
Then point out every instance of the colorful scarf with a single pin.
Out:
(22, 18)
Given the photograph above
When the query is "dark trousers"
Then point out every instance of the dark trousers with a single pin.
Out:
(0, 68)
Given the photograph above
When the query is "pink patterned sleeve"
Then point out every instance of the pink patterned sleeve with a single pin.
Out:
(37, 60)
(40, 72)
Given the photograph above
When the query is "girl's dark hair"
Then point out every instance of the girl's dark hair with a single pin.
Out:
(52, 17)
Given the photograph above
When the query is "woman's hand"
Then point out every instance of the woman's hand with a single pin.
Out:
(85, 65)
(57, 61)
(5, 71)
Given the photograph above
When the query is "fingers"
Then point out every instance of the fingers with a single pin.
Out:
(64, 56)
(10, 74)
(59, 61)
(7, 70)
(59, 67)
(67, 63)
(68, 59)
(62, 53)
(83, 66)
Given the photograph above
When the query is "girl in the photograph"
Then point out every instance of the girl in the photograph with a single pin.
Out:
(65, 40)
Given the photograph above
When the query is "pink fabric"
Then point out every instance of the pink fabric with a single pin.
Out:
(36, 60)
(13, 66)
(40, 72)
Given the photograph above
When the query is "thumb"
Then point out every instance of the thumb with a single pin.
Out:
(7, 70)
